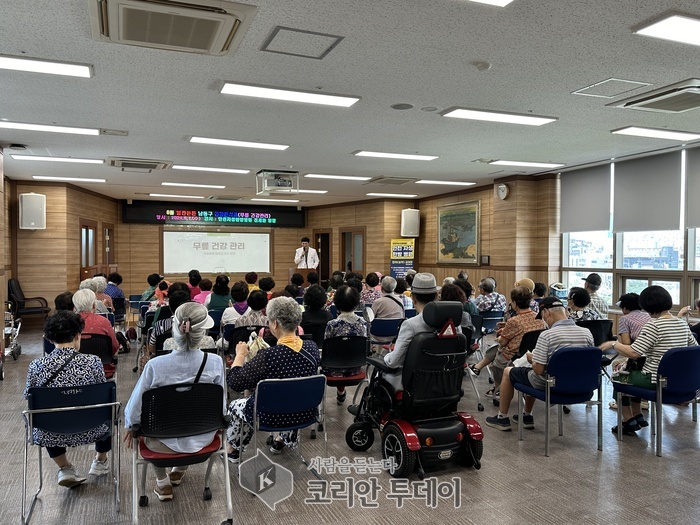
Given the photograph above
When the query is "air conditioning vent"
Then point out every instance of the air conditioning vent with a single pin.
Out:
(390, 181)
(224, 198)
(138, 165)
(676, 98)
(211, 27)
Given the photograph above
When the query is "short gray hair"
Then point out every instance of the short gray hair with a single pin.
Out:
(101, 283)
(448, 280)
(88, 284)
(487, 285)
(84, 300)
(285, 311)
(388, 284)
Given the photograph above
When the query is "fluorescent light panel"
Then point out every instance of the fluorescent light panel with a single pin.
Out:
(525, 164)
(50, 129)
(66, 179)
(57, 159)
(237, 143)
(676, 28)
(300, 191)
(401, 156)
(498, 3)
(175, 196)
(335, 177)
(495, 116)
(393, 195)
(204, 168)
(445, 182)
(35, 65)
(187, 185)
(287, 95)
(274, 200)
(656, 133)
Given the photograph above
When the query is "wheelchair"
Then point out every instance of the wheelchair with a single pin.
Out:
(420, 426)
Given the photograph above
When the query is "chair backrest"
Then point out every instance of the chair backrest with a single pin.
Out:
(478, 322)
(216, 316)
(143, 308)
(334, 311)
(491, 318)
(182, 410)
(289, 396)
(601, 329)
(410, 312)
(109, 316)
(119, 304)
(434, 366)
(48, 346)
(344, 352)
(386, 327)
(681, 367)
(99, 345)
(160, 339)
(148, 321)
(72, 422)
(235, 335)
(317, 331)
(299, 300)
(15, 292)
(576, 369)
(528, 342)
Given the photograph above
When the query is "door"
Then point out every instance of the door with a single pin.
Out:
(352, 249)
(322, 240)
(88, 248)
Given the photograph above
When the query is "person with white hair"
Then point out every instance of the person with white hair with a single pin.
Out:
(101, 285)
(489, 299)
(85, 302)
(389, 305)
(91, 284)
(191, 323)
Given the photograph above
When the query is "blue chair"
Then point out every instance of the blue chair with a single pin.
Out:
(334, 311)
(276, 397)
(215, 331)
(678, 382)
(48, 346)
(119, 304)
(70, 410)
(573, 376)
(385, 328)
(109, 316)
(178, 411)
(410, 312)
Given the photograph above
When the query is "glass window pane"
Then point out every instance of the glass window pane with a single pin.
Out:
(83, 247)
(662, 250)
(672, 287)
(347, 243)
(357, 256)
(577, 278)
(91, 247)
(635, 285)
(589, 250)
(696, 241)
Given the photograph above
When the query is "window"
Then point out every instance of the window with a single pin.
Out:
(694, 249)
(636, 285)
(588, 250)
(662, 250)
(576, 278)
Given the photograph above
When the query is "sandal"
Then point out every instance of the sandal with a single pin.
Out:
(474, 370)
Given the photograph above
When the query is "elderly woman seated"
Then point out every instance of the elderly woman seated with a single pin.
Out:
(190, 324)
(289, 357)
(64, 366)
(84, 302)
(91, 284)
(579, 304)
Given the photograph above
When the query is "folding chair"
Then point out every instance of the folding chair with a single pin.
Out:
(119, 304)
(236, 334)
(109, 316)
(410, 312)
(490, 320)
(215, 331)
(678, 380)
(384, 328)
(601, 330)
(317, 331)
(179, 411)
(70, 410)
(101, 346)
(573, 375)
(281, 397)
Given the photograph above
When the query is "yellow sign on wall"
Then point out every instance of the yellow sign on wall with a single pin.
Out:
(402, 248)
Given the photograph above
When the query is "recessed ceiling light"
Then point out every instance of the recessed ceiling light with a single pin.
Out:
(237, 143)
(66, 179)
(275, 200)
(204, 168)
(393, 195)
(300, 191)
(57, 159)
(676, 28)
(35, 65)
(51, 129)
(288, 95)
(336, 177)
(175, 196)
(656, 133)
(525, 164)
(445, 182)
(402, 156)
(495, 116)
(499, 3)
(187, 185)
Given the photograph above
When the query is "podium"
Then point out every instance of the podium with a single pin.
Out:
(303, 271)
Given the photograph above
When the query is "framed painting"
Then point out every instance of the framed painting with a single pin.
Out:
(458, 233)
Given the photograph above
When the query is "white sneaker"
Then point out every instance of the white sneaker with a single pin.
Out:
(67, 477)
(99, 468)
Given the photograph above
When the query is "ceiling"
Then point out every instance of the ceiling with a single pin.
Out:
(419, 52)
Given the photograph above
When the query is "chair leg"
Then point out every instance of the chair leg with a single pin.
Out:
(27, 513)
(659, 414)
(520, 415)
(619, 416)
(227, 478)
(600, 415)
(547, 408)
(479, 406)
(134, 484)
(560, 419)
(695, 409)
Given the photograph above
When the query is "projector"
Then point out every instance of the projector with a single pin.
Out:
(275, 181)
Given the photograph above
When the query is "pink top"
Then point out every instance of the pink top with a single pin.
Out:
(98, 324)
(201, 297)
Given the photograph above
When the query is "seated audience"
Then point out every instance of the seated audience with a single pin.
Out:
(194, 278)
(113, 282)
(292, 290)
(239, 307)
(562, 332)
(101, 285)
(251, 279)
(633, 319)
(65, 367)
(91, 284)
(488, 299)
(448, 280)
(204, 285)
(400, 291)
(369, 292)
(64, 301)
(336, 281)
(289, 357)
(579, 305)
(468, 289)
(663, 332)
(452, 292)
(346, 300)
(312, 278)
(315, 316)
(84, 301)
(255, 316)
(388, 305)
(267, 284)
(592, 285)
(220, 296)
(298, 280)
(178, 297)
(685, 313)
(190, 325)
(150, 293)
(539, 292)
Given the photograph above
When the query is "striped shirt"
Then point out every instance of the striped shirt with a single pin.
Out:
(562, 334)
(632, 323)
(599, 305)
(657, 337)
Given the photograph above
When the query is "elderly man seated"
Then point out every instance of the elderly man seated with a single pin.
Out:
(489, 299)
(562, 332)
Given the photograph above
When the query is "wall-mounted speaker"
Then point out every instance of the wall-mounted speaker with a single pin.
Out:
(410, 223)
(32, 211)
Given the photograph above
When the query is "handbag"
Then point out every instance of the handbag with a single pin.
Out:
(255, 344)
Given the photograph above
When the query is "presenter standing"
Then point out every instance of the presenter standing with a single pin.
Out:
(306, 257)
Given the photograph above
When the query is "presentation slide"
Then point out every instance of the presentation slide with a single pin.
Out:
(216, 252)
